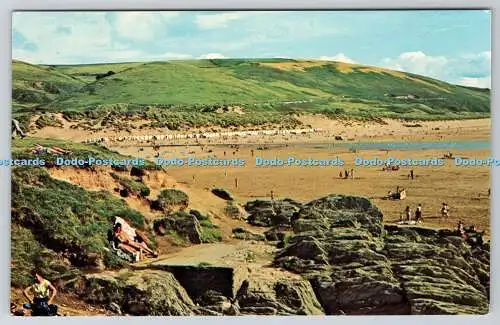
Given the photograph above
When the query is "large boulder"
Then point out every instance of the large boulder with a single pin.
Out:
(278, 297)
(271, 213)
(223, 194)
(218, 303)
(139, 292)
(241, 233)
(357, 266)
(185, 225)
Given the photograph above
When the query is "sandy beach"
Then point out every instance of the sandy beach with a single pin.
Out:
(464, 189)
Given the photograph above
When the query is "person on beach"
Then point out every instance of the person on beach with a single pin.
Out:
(43, 295)
(408, 213)
(418, 213)
(444, 210)
(460, 228)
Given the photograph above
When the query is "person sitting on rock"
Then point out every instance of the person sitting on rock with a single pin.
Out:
(129, 245)
(43, 294)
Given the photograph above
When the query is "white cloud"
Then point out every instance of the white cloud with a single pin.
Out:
(88, 37)
(213, 21)
(485, 56)
(418, 63)
(86, 34)
(473, 69)
(341, 57)
(139, 25)
(484, 82)
(210, 56)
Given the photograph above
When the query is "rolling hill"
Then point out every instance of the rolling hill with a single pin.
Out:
(272, 86)
(37, 85)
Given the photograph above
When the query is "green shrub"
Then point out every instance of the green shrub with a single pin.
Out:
(172, 196)
(138, 188)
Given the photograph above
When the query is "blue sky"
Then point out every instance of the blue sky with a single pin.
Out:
(454, 46)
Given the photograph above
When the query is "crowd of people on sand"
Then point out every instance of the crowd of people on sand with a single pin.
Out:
(407, 217)
(470, 235)
(347, 174)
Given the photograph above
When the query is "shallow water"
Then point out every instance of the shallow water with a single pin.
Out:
(410, 145)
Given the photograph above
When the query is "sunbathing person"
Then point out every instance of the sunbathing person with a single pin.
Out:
(130, 245)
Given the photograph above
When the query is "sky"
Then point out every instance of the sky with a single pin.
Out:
(454, 46)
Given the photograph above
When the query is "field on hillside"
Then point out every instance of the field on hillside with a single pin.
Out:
(194, 91)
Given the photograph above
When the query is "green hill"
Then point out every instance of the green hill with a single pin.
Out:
(37, 85)
(272, 86)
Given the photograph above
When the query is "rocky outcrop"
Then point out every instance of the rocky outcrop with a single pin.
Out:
(214, 303)
(278, 297)
(271, 213)
(439, 273)
(275, 234)
(185, 225)
(241, 233)
(147, 292)
(223, 194)
(358, 267)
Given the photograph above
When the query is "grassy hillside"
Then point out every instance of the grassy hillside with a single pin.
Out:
(259, 86)
(61, 227)
(58, 226)
(36, 85)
